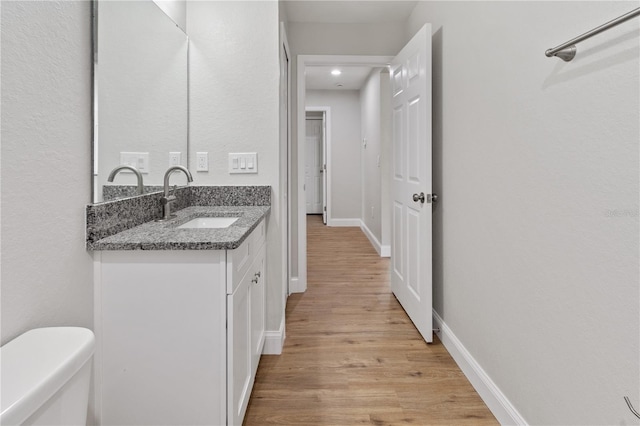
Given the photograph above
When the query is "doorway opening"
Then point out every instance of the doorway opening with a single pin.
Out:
(317, 185)
(304, 63)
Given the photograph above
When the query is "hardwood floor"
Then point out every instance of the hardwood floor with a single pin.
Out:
(352, 356)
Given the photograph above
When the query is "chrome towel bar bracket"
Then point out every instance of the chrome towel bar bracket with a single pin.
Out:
(567, 51)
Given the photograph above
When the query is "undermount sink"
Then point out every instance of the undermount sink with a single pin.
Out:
(209, 222)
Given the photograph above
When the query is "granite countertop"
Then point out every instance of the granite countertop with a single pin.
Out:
(166, 236)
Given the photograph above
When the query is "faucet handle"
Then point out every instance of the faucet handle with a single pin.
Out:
(167, 200)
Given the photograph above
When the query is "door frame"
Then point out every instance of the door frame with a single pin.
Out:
(326, 156)
(299, 285)
(285, 158)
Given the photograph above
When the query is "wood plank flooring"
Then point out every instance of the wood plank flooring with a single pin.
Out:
(352, 356)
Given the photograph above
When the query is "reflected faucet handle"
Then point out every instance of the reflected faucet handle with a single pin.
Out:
(118, 169)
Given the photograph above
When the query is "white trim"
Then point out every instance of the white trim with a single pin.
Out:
(302, 199)
(372, 238)
(286, 202)
(344, 222)
(498, 403)
(371, 60)
(385, 251)
(96, 387)
(274, 340)
(295, 286)
(303, 61)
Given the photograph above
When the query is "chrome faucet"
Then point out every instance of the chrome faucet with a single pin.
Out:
(167, 199)
(118, 169)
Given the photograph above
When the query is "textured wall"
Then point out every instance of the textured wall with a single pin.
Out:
(371, 154)
(536, 231)
(234, 106)
(46, 149)
(345, 150)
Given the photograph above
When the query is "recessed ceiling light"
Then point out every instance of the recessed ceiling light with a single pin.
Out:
(336, 72)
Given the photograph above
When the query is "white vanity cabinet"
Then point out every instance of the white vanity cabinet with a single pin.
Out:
(179, 333)
(245, 329)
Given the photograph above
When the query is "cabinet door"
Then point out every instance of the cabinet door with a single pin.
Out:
(258, 291)
(239, 376)
(160, 328)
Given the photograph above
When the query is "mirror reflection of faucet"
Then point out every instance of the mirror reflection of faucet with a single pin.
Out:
(167, 199)
(118, 169)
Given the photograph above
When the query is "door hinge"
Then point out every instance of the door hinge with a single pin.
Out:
(325, 208)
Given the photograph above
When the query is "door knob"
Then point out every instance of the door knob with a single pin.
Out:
(431, 198)
(420, 197)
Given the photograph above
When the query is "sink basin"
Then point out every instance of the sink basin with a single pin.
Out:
(209, 222)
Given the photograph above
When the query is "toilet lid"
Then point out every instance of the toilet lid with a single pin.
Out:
(36, 364)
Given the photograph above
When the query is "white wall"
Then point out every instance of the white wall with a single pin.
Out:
(47, 275)
(345, 167)
(375, 98)
(370, 107)
(536, 232)
(386, 136)
(234, 107)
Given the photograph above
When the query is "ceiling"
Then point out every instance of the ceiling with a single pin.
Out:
(348, 12)
(344, 12)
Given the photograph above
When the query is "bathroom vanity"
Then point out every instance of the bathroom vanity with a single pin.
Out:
(180, 319)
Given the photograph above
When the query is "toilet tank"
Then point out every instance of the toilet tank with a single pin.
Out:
(45, 375)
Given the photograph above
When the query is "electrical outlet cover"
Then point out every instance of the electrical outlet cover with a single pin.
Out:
(202, 161)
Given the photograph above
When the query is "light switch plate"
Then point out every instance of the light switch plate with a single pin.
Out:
(139, 160)
(243, 162)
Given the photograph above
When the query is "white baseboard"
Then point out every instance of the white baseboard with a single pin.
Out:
(297, 286)
(497, 402)
(372, 238)
(344, 222)
(385, 251)
(274, 340)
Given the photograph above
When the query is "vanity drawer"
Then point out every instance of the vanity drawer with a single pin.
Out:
(239, 260)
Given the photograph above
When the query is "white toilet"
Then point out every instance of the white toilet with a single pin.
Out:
(45, 375)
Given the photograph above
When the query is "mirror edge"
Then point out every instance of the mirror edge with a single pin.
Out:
(93, 170)
(94, 99)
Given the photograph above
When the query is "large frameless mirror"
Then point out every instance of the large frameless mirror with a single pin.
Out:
(140, 97)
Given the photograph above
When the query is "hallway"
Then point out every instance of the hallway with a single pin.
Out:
(352, 356)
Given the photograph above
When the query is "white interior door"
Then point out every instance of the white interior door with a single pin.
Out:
(314, 167)
(411, 247)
